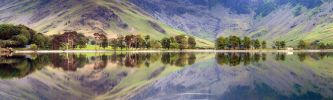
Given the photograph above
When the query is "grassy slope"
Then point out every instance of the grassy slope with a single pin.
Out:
(55, 22)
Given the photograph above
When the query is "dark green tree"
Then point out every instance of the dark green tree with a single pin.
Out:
(147, 43)
(246, 43)
(277, 45)
(120, 42)
(104, 43)
(192, 42)
(155, 44)
(139, 42)
(263, 44)
(82, 42)
(166, 43)
(283, 44)
(322, 46)
(41, 41)
(234, 42)
(301, 44)
(221, 43)
(256, 44)
(182, 41)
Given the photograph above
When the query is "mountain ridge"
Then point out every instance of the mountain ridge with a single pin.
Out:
(271, 20)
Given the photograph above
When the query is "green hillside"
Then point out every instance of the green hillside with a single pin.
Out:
(110, 17)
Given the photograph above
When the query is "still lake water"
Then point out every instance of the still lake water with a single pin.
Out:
(167, 76)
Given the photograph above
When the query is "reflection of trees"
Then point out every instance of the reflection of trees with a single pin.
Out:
(316, 56)
(178, 59)
(133, 59)
(68, 62)
(280, 56)
(18, 66)
(100, 62)
(234, 59)
(302, 56)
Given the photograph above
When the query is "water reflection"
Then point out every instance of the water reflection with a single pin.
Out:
(178, 59)
(20, 66)
(168, 76)
(259, 76)
(234, 59)
(316, 56)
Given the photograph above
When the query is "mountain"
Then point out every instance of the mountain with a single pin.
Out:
(288, 20)
(271, 20)
(111, 17)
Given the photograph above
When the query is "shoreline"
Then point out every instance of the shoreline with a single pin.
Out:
(153, 51)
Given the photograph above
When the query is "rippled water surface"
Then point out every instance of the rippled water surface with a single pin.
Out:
(167, 76)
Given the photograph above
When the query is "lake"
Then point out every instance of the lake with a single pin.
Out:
(167, 76)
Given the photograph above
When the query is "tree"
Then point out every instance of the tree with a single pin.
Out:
(173, 43)
(99, 38)
(301, 44)
(256, 44)
(140, 42)
(277, 45)
(113, 43)
(182, 41)
(166, 43)
(93, 42)
(33, 47)
(104, 43)
(15, 36)
(40, 40)
(191, 42)
(246, 43)
(234, 42)
(322, 46)
(21, 40)
(68, 40)
(155, 44)
(147, 43)
(283, 44)
(221, 43)
(120, 42)
(82, 42)
(57, 41)
(129, 40)
(263, 45)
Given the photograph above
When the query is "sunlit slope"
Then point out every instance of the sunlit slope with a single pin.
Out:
(86, 16)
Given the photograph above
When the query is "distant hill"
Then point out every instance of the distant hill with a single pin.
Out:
(289, 20)
(111, 17)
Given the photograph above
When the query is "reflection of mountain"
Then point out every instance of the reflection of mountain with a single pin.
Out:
(157, 75)
(100, 76)
(272, 79)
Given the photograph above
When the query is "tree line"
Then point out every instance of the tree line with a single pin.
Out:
(236, 43)
(20, 36)
(313, 45)
(71, 40)
(138, 42)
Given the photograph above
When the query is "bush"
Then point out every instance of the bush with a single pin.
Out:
(33, 47)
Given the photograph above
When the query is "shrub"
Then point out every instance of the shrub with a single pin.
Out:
(33, 47)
